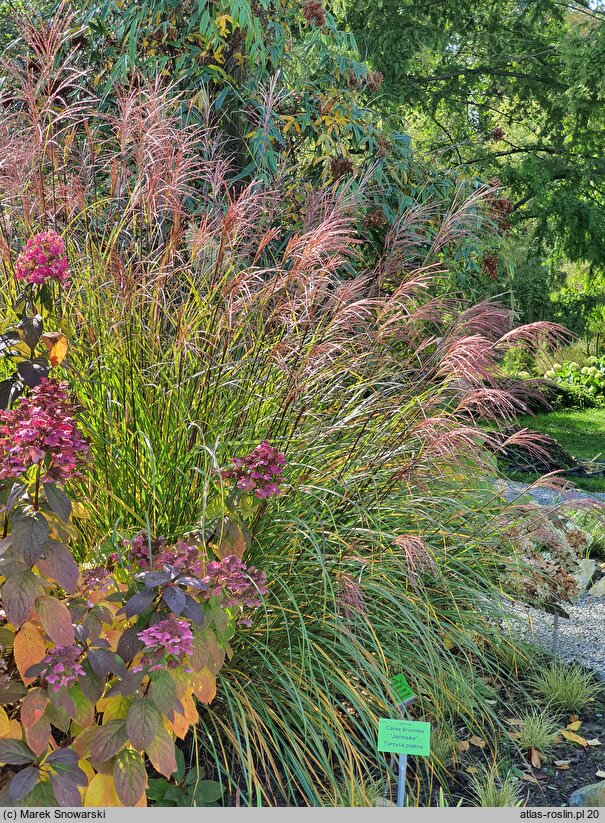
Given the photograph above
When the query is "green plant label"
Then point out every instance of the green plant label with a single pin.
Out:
(404, 737)
(402, 689)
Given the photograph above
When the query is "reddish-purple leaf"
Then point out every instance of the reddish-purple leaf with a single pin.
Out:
(22, 783)
(129, 777)
(33, 706)
(11, 691)
(28, 535)
(102, 662)
(138, 603)
(56, 620)
(63, 757)
(154, 579)
(62, 700)
(108, 740)
(193, 611)
(91, 684)
(161, 753)
(58, 501)
(174, 599)
(127, 685)
(129, 644)
(18, 596)
(15, 753)
(38, 736)
(58, 564)
(142, 723)
(65, 790)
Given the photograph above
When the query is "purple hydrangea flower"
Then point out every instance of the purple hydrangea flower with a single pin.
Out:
(182, 557)
(96, 580)
(61, 666)
(260, 472)
(170, 638)
(238, 584)
(138, 548)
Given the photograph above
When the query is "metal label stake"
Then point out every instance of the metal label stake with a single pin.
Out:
(403, 759)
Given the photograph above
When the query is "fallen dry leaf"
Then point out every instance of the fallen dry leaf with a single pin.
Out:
(515, 721)
(573, 727)
(530, 778)
(600, 773)
(462, 745)
(561, 764)
(573, 737)
(477, 741)
(540, 775)
(594, 742)
(535, 758)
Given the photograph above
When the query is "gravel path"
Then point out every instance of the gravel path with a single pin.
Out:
(582, 637)
(545, 497)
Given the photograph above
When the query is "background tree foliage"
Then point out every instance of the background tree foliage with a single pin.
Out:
(512, 90)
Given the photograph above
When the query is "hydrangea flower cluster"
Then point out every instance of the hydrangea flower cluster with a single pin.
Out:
(42, 259)
(171, 638)
(96, 580)
(238, 584)
(260, 472)
(61, 667)
(183, 557)
(138, 550)
(41, 426)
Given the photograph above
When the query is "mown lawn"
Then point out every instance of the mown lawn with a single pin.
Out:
(581, 432)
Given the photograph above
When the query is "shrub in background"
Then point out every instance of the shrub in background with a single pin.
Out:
(582, 386)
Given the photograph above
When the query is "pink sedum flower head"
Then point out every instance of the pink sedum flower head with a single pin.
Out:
(171, 638)
(260, 472)
(41, 426)
(61, 667)
(42, 259)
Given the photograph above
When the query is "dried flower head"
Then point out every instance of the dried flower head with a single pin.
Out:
(416, 555)
(260, 472)
(40, 428)
(375, 219)
(61, 666)
(489, 265)
(340, 167)
(314, 13)
(374, 80)
(349, 597)
(42, 259)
